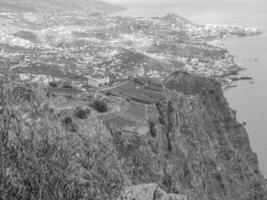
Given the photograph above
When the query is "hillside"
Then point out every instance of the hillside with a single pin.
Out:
(69, 6)
(51, 46)
(142, 140)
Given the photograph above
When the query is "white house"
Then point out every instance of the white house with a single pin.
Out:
(98, 80)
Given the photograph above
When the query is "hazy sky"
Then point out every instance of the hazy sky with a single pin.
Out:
(200, 6)
(176, 2)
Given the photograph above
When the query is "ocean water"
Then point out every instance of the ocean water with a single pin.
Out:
(249, 98)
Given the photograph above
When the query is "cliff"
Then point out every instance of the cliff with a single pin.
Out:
(194, 146)
(176, 140)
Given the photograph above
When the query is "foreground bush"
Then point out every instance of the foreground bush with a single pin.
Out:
(39, 160)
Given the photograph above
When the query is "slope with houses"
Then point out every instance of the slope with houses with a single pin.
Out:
(95, 50)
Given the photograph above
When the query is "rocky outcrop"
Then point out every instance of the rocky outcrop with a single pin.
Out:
(148, 192)
(195, 147)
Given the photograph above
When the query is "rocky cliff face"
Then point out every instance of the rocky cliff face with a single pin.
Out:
(195, 146)
(149, 192)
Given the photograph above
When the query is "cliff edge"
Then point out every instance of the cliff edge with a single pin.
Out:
(194, 146)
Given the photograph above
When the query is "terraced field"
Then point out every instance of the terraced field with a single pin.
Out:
(136, 111)
(148, 93)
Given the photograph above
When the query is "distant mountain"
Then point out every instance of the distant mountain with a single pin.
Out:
(64, 6)
(175, 19)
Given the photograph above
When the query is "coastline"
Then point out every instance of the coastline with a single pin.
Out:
(249, 95)
(231, 79)
(229, 75)
(228, 86)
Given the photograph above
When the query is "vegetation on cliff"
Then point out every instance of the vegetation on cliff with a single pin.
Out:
(39, 159)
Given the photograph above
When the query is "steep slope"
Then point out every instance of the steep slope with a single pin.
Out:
(182, 144)
(69, 6)
(195, 146)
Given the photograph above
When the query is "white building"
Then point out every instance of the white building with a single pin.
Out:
(98, 80)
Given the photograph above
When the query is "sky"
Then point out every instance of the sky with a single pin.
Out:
(135, 3)
(175, 1)
(200, 7)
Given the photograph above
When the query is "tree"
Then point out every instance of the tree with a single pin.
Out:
(100, 106)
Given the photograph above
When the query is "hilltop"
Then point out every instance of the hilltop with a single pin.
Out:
(60, 6)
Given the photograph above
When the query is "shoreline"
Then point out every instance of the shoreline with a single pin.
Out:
(228, 87)
(220, 43)
(247, 96)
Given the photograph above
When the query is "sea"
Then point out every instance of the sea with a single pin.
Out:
(249, 97)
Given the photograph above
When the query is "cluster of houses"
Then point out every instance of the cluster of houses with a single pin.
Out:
(98, 80)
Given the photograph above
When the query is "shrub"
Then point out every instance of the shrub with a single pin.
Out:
(67, 86)
(67, 120)
(100, 106)
(152, 128)
(72, 127)
(51, 110)
(82, 114)
(53, 84)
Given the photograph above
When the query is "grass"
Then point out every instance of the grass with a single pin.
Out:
(136, 111)
(27, 35)
(119, 122)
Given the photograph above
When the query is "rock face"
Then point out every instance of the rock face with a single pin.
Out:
(148, 192)
(195, 147)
